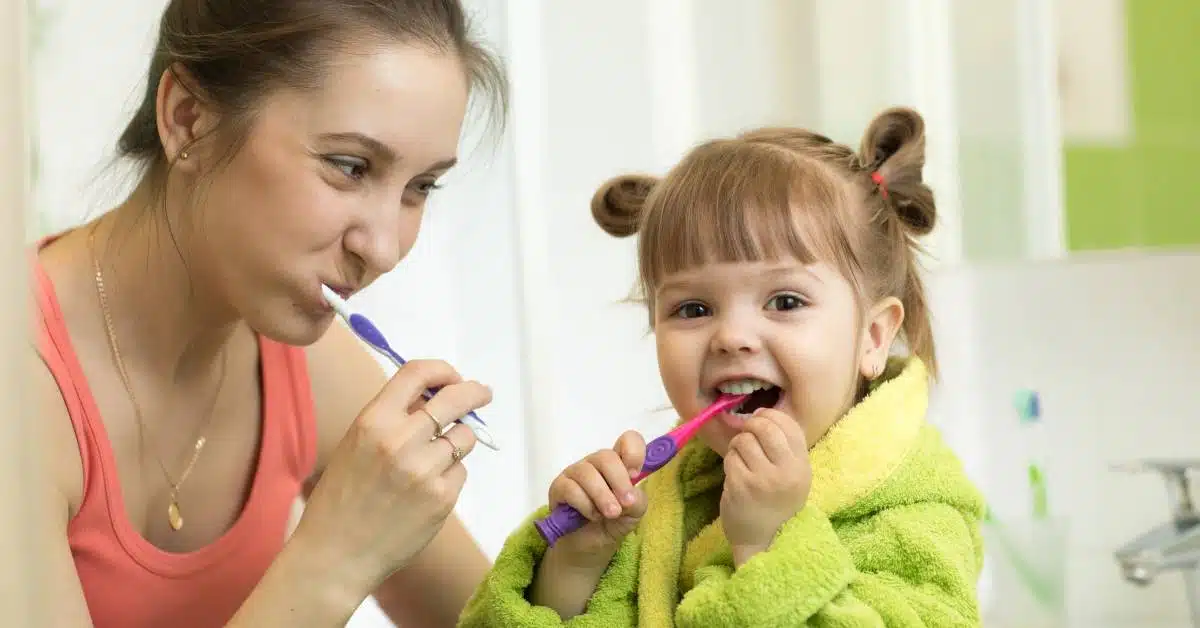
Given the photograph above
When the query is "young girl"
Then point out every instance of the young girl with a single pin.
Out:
(781, 263)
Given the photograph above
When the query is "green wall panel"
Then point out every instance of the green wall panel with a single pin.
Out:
(1146, 194)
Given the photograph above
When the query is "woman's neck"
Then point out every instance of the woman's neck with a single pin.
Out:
(168, 316)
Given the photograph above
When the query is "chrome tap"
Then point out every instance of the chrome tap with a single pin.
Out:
(1171, 546)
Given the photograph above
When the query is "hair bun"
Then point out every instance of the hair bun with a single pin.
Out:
(617, 205)
(894, 146)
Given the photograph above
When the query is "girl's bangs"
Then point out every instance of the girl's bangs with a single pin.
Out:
(740, 202)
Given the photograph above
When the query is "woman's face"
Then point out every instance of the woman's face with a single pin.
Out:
(330, 186)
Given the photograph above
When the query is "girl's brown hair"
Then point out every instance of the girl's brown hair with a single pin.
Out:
(776, 192)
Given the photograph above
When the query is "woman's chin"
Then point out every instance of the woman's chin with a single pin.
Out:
(296, 328)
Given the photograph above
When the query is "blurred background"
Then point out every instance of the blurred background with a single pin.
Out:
(1064, 138)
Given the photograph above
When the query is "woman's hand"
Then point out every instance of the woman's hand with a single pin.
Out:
(392, 482)
(767, 479)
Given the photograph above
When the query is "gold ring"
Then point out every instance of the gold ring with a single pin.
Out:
(456, 453)
(437, 425)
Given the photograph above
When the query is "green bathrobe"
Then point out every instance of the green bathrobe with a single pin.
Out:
(889, 537)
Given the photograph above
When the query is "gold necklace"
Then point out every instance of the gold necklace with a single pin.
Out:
(174, 515)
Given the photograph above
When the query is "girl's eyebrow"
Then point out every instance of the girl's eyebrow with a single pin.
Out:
(774, 272)
(784, 271)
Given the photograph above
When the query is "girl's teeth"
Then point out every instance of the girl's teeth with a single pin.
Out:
(743, 386)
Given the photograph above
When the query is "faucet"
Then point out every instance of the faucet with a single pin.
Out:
(1170, 546)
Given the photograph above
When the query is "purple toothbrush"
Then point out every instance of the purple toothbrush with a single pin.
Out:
(564, 519)
(372, 336)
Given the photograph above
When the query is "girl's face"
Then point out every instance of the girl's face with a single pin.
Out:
(329, 187)
(792, 331)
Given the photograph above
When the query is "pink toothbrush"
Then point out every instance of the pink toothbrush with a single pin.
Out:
(564, 519)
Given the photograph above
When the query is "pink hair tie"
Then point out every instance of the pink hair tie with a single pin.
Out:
(878, 179)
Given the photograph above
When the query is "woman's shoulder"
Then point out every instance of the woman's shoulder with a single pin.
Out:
(48, 377)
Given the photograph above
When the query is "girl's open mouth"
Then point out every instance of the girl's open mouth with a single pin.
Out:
(761, 398)
(762, 394)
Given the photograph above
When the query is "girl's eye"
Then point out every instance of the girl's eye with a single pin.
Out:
(351, 167)
(692, 310)
(785, 302)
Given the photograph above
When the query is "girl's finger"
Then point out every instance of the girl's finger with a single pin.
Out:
(772, 440)
(612, 467)
(593, 483)
(750, 452)
(567, 491)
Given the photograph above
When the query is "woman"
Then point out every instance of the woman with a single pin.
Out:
(193, 381)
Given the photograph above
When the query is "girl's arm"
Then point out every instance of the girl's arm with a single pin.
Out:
(506, 596)
(564, 587)
(433, 589)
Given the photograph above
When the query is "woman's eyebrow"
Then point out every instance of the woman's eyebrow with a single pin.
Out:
(382, 151)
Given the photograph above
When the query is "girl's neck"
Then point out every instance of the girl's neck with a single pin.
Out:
(168, 315)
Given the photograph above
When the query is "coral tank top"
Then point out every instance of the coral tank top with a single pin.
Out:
(127, 581)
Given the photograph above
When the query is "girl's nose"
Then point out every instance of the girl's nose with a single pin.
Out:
(734, 336)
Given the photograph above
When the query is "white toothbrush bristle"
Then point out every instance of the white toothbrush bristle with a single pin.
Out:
(335, 301)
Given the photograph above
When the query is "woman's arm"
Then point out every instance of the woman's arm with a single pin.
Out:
(433, 589)
(60, 476)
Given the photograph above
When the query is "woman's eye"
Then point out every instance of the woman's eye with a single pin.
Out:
(425, 188)
(785, 302)
(352, 167)
(692, 310)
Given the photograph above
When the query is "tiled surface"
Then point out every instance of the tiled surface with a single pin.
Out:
(1145, 194)
(1111, 343)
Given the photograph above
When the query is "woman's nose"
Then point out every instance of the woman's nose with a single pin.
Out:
(379, 241)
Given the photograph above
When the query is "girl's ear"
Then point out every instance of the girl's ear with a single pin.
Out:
(880, 327)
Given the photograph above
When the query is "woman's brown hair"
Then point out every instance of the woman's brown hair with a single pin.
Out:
(777, 192)
(230, 53)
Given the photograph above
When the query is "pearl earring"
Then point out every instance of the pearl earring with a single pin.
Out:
(183, 154)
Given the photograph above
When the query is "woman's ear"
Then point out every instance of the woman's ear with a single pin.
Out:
(183, 118)
(880, 327)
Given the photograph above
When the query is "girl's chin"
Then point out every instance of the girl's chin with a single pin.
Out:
(731, 422)
(717, 434)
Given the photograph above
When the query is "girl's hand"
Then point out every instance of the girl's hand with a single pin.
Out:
(391, 483)
(767, 479)
(599, 487)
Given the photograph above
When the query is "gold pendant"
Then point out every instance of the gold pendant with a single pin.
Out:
(173, 516)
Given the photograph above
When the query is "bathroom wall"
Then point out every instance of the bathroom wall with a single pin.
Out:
(25, 603)
(1110, 342)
